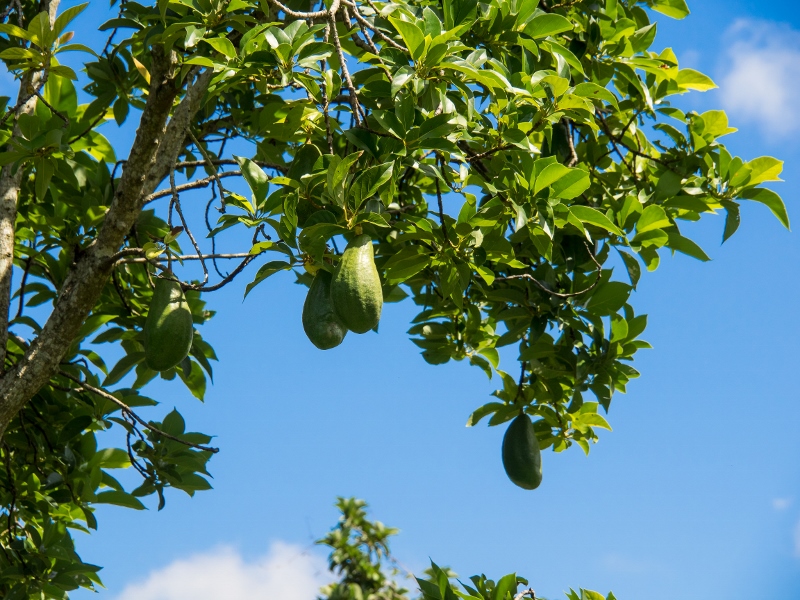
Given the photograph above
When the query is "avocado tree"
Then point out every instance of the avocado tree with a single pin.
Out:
(548, 125)
(360, 552)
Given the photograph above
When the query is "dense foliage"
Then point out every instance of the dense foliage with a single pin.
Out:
(547, 127)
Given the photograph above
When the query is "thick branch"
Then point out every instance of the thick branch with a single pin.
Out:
(175, 138)
(89, 274)
(10, 184)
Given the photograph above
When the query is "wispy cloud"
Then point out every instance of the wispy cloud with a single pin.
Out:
(781, 503)
(286, 572)
(618, 563)
(761, 79)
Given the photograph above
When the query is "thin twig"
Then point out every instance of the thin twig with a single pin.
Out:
(345, 72)
(521, 380)
(118, 258)
(53, 109)
(325, 100)
(210, 229)
(229, 161)
(89, 129)
(307, 15)
(128, 411)
(378, 33)
(193, 185)
(488, 153)
(118, 288)
(177, 202)
(239, 268)
(441, 207)
(213, 169)
(544, 288)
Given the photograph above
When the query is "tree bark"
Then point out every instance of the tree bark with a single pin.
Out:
(10, 183)
(89, 274)
(175, 138)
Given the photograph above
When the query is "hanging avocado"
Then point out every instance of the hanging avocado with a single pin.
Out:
(356, 288)
(320, 322)
(168, 329)
(522, 459)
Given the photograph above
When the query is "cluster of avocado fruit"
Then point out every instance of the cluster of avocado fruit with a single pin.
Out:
(350, 299)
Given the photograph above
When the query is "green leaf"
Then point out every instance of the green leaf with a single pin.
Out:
(548, 175)
(110, 458)
(686, 246)
(400, 78)
(595, 92)
(653, 217)
(764, 168)
(412, 36)
(566, 54)
(338, 174)
(255, 177)
(265, 271)
(587, 214)
(66, 17)
(123, 367)
(771, 200)
(199, 60)
(609, 298)
(632, 265)
(571, 185)
(406, 263)
(222, 45)
(173, 423)
(593, 420)
(548, 24)
(13, 30)
(677, 9)
(732, 220)
(483, 411)
(119, 499)
(695, 80)
(457, 12)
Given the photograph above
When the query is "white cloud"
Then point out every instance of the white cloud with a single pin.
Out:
(618, 563)
(781, 503)
(286, 572)
(761, 81)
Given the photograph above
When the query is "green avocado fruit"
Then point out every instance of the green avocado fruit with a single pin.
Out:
(522, 459)
(356, 287)
(168, 329)
(320, 322)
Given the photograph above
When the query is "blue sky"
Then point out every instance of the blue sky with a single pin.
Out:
(696, 493)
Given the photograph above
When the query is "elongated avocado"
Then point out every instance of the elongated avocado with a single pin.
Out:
(356, 287)
(320, 322)
(522, 459)
(168, 329)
